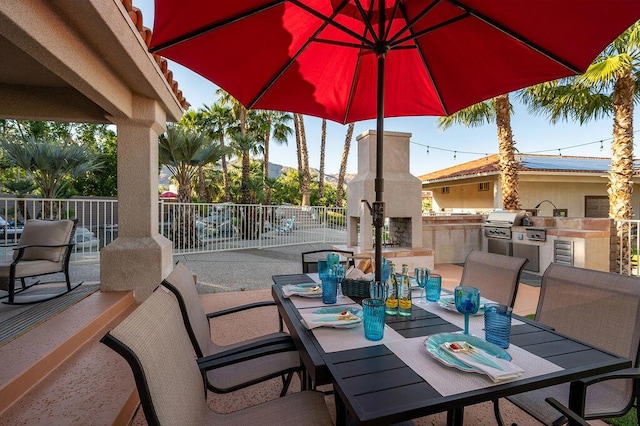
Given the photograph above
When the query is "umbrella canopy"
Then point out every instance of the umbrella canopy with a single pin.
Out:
(337, 59)
(168, 195)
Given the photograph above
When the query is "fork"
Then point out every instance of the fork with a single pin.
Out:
(471, 351)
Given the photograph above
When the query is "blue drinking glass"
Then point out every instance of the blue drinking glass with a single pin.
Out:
(467, 303)
(497, 324)
(373, 310)
(422, 276)
(434, 287)
(323, 268)
(329, 289)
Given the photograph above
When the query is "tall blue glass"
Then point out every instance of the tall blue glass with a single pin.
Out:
(323, 268)
(373, 310)
(329, 289)
(497, 324)
(421, 276)
(467, 303)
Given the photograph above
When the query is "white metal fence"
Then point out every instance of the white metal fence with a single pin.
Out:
(628, 247)
(193, 227)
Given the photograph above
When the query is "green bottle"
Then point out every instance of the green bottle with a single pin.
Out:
(392, 292)
(404, 292)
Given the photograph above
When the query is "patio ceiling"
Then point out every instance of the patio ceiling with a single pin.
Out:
(82, 61)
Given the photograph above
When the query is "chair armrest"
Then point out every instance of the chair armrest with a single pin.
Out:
(566, 411)
(627, 373)
(231, 357)
(240, 308)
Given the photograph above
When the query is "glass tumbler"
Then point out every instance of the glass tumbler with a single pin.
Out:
(434, 287)
(329, 289)
(378, 290)
(373, 318)
(497, 324)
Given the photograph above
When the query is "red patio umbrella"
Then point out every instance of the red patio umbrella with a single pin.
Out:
(351, 60)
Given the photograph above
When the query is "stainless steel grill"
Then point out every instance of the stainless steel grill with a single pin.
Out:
(498, 224)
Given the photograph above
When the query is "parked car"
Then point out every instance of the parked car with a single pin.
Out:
(86, 241)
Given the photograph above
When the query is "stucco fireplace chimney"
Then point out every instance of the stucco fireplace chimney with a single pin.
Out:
(402, 192)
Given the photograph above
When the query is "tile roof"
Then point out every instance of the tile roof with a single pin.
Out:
(135, 15)
(526, 163)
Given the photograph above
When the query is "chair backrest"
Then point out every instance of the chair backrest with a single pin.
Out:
(48, 233)
(182, 284)
(598, 308)
(154, 342)
(496, 275)
(310, 258)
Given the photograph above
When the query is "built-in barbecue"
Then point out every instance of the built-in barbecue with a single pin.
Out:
(499, 223)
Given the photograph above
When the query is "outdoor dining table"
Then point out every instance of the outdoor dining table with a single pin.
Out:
(394, 379)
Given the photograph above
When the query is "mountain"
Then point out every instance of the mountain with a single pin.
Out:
(275, 170)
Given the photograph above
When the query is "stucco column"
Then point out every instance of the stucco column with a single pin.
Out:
(140, 257)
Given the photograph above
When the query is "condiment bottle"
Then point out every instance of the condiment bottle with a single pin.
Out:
(392, 292)
(404, 292)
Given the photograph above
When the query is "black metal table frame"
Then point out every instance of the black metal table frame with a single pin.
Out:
(409, 396)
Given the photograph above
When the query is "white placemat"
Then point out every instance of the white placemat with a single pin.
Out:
(314, 302)
(450, 381)
(334, 339)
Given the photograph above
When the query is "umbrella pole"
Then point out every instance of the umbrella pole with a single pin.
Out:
(378, 205)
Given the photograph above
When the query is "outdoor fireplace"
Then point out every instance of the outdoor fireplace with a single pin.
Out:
(402, 194)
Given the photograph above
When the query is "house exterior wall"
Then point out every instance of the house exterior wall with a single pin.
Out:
(564, 190)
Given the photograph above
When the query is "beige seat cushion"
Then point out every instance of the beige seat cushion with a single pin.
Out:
(45, 232)
(30, 268)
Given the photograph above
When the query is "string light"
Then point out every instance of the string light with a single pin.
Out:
(601, 147)
(560, 152)
(427, 149)
(455, 154)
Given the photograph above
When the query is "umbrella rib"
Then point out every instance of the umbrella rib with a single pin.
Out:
(426, 66)
(214, 26)
(285, 67)
(366, 19)
(329, 20)
(415, 35)
(342, 43)
(516, 36)
(410, 23)
(352, 90)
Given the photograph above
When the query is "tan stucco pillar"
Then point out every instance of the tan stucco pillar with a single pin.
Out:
(140, 257)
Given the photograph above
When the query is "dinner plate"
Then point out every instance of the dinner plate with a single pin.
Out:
(448, 302)
(434, 343)
(303, 290)
(336, 310)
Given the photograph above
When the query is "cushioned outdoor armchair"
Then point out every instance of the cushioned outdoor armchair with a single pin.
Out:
(497, 276)
(601, 309)
(155, 343)
(227, 379)
(43, 248)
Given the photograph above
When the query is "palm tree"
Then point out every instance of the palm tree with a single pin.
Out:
(305, 179)
(270, 124)
(218, 119)
(343, 164)
(609, 87)
(183, 151)
(499, 110)
(50, 164)
(323, 143)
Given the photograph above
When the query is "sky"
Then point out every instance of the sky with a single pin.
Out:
(431, 148)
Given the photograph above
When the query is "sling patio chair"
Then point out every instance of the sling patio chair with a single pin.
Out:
(497, 276)
(310, 259)
(227, 379)
(601, 309)
(44, 248)
(155, 343)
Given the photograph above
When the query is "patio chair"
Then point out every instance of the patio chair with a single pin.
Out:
(601, 309)
(310, 259)
(44, 248)
(227, 379)
(154, 342)
(497, 276)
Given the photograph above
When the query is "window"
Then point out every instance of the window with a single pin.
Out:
(445, 189)
(483, 186)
